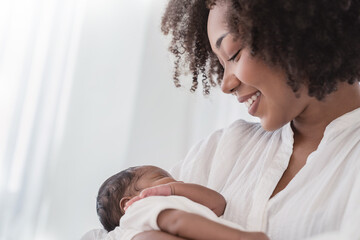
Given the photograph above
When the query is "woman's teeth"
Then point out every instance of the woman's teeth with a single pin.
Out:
(252, 99)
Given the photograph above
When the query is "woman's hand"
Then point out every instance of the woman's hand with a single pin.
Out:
(254, 236)
(158, 235)
(155, 235)
(160, 190)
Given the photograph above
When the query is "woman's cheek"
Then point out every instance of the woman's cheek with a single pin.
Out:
(246, 70)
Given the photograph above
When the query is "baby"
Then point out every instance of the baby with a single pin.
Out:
(119, 193)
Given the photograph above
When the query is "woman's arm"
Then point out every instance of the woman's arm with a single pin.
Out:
(200, 194)
(193, 226)
(155, 235)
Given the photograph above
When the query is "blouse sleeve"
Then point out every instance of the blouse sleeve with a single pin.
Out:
(195, 168)
(350, 227)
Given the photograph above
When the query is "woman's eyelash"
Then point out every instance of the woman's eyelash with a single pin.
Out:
(235, 55)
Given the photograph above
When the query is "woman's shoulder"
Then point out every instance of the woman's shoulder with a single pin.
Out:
(242, 130)
(241, 124)
(225, 143)
(235, 129)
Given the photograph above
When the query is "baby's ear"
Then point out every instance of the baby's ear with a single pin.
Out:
(122, 203)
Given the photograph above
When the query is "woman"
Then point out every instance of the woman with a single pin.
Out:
(296, 66)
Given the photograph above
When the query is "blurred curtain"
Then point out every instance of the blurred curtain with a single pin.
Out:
(57, 146)
(38, 41)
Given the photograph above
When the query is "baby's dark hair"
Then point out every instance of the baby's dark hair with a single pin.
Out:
(316, 43)
(109, 196)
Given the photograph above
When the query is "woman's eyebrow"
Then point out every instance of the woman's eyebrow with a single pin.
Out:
(218, 42)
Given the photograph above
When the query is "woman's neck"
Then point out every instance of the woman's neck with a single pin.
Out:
(311, 123)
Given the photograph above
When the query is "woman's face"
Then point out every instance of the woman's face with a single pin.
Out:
(262, 88)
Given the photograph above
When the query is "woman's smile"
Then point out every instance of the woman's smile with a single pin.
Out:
(251, 101)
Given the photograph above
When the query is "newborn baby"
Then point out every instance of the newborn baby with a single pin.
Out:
(130, 199)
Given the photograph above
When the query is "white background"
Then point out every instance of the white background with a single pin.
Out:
(118, 108)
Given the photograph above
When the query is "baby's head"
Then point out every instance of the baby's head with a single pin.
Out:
(121, 187)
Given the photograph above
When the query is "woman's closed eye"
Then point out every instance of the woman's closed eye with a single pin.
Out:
(235, 55)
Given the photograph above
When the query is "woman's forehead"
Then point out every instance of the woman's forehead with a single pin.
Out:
(216, 26)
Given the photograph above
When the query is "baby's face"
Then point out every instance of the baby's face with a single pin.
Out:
(150, 176)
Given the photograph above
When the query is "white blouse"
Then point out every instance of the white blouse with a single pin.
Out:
(244, 163)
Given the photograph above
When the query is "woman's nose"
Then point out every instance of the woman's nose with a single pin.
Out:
(229, 83)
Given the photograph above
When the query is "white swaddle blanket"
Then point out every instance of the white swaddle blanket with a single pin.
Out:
(142, 216)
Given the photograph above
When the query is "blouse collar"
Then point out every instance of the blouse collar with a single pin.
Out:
(349, 120)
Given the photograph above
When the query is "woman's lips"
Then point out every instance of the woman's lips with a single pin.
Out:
(254, 106)
(251, 101)
(246, 97)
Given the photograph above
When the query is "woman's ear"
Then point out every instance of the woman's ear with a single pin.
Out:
(122, 203)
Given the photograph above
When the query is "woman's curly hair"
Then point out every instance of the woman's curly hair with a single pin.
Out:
(316, 43)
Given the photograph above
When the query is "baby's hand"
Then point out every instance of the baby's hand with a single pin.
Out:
(160, 190)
